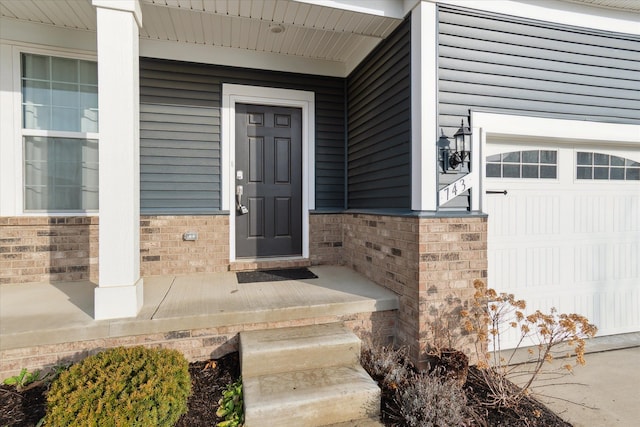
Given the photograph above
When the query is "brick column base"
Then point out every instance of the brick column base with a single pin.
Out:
(427, 262)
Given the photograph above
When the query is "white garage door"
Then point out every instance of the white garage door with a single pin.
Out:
(567, 232)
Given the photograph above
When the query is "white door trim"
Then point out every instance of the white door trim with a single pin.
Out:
(233, 94)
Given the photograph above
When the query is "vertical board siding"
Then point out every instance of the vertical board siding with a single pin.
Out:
(180, 145)
(491, 61)
(379, 125)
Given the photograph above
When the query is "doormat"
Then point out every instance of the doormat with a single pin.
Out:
(275, 275)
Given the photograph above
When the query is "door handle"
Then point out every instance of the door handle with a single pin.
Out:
(242, 209)
(496, 192)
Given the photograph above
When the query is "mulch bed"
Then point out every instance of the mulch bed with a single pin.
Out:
(210, 379)
(528, 412)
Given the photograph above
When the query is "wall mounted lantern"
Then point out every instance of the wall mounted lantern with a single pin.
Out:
(452, 158)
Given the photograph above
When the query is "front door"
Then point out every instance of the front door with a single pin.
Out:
(268, 177)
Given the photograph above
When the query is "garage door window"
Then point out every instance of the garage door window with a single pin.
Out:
(606, 167)
(523, 164)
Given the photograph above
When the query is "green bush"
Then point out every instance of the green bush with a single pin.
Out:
(131, 386)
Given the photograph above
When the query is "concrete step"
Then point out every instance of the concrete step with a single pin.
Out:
(297, 349)
(310, 398)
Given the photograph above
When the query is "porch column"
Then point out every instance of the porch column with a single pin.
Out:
(119, 292)
(424, 90)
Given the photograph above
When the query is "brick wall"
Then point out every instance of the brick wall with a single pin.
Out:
(426, 261)
(385, 249)
(453, 253)
(49, 249)
(326, 239)
(42, 249)
(163, 251)
(196, 344)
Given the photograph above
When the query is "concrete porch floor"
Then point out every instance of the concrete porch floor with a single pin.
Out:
(52, 313)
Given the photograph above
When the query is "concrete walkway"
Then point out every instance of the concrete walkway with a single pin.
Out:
(603, 393)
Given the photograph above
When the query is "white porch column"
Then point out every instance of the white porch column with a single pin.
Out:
(424, 90)
(119, 292)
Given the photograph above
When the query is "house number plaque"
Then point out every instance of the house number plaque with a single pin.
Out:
(454, 189)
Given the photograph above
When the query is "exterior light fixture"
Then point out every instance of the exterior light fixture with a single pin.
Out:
(452, 158)
(276, 28)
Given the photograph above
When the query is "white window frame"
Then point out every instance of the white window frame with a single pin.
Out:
(20, 132)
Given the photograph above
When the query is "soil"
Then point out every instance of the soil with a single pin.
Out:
(209, 380)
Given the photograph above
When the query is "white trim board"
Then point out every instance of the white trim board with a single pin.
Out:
(424, 108)
(233, 94)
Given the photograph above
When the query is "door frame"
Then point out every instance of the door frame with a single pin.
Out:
(233, 94)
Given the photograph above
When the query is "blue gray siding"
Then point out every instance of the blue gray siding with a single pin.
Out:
(180, 162)
(379, 125)
(497, 62)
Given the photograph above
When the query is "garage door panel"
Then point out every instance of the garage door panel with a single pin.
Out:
(568, 243)
(595, 304)
(542, 214)
(627, 256)
(597, 213)
(549, 275)
(590, 263)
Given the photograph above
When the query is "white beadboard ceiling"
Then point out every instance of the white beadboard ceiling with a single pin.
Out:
(77, 14)
(623, 5)
(310, 31)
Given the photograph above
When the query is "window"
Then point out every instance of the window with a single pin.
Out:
(523, 164)
(606, 167)
(59, 133)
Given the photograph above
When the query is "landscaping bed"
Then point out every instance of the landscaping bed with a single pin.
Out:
(210, 378)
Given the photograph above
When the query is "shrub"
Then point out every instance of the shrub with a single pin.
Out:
(432, 400)
(121, 387)
(492, 314)
(231, 406)
(387, 365)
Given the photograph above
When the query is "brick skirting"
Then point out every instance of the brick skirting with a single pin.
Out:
(164, 252)
(425, 260)
(196, 344)
(52, 249)
(43, 249)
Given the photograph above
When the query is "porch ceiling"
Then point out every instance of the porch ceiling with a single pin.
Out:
(308, 30)
(624, 5)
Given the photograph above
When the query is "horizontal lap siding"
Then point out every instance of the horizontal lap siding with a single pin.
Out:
(180, 145)
(379, 126)
(489, 61)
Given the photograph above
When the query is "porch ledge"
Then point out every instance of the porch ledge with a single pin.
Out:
(44, 314)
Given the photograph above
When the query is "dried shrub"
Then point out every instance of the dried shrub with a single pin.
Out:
(121, 386)
(445, 328)
(493, 314)
(432, 400)
(389, 366)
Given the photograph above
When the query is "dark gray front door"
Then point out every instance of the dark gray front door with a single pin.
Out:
(269, 169)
